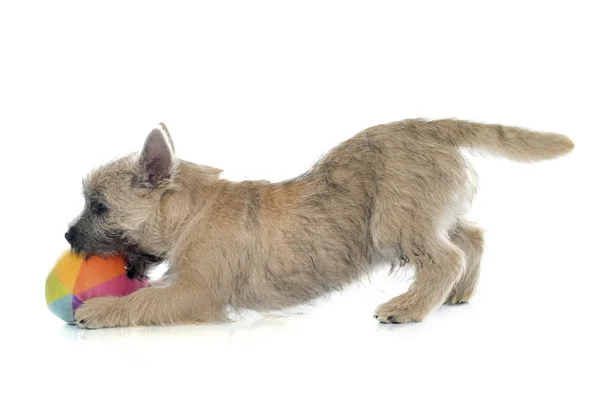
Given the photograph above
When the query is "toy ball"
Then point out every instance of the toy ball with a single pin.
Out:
(75, 279)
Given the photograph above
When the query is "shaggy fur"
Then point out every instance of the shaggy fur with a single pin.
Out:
(394, 193)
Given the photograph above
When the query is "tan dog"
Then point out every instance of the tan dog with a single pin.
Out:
(394, 193)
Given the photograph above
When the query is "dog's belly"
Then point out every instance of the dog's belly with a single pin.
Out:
(292, 277)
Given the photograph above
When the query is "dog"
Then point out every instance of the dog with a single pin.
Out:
(394, 193)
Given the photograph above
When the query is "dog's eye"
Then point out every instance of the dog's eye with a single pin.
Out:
(98, 208)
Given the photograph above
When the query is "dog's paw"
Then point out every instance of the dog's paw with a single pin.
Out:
(458, 297)
(396, 311)
(101, 312)
(455, 299)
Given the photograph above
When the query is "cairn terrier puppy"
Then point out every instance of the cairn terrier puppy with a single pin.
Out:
(395, 193)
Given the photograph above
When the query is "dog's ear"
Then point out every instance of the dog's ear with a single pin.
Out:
(157, 157)
(166, 131)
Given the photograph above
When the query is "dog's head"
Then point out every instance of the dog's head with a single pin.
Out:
(122, 201)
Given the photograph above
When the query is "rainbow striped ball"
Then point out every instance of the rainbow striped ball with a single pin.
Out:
(75, 279)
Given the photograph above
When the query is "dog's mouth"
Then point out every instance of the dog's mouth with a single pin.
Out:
(86, 246)
(138, 263)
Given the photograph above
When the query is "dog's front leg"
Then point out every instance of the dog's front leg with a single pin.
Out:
(177, 303)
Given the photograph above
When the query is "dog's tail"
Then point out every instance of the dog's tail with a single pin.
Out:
(511, 142)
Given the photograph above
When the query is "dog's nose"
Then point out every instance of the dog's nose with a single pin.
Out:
(70, 235)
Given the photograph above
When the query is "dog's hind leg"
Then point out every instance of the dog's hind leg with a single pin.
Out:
(438, 265)
(178, 303)
(469, 237)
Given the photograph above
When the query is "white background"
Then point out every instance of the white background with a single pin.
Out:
(261, 90)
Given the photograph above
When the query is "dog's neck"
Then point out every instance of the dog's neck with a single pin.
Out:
(184, 200)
